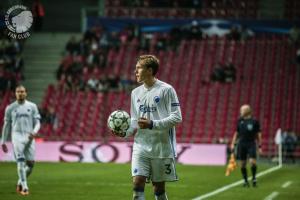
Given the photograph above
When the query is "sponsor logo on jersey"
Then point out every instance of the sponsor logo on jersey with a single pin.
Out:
(145, 109)
(19, 115)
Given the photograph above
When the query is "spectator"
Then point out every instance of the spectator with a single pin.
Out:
(298, 57)
(48, 116)
(114, 40)
(294, 35)
(218, 74)
(69, 83)
(161, 43)
(113, 82)
(73, 47)
(145, 41)
(194, 31)
(234, 34)
(229, 72)
(246, 33)
(92, 84)
(289, 145)
(175, 37)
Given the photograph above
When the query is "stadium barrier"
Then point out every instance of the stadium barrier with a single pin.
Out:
(119, 152)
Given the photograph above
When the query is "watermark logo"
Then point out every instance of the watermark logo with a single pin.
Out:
(18, 20)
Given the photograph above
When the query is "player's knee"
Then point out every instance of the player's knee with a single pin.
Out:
(139, 182)
(21, 159)
(253, 163)
(243, 164)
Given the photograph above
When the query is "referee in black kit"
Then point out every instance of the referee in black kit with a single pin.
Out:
(248, 138)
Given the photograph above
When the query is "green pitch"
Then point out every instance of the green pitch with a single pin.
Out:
(78, 181)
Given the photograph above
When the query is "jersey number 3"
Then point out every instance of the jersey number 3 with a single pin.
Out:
(168, 169)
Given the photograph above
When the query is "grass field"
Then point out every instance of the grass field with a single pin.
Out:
(76, 181)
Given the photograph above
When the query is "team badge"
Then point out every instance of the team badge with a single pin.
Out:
(156, 99)
(249, 127)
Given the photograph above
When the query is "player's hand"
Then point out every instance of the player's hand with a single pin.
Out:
(232, 148)
(33, 136)
(4, 148)
(118, 134)
(144, 123)
(260, 151)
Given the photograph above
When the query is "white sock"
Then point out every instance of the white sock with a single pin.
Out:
(138, 195)
(19, 182)
(22, 174)
(162, 196)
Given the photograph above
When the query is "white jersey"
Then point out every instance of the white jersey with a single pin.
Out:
(20, 120)
(159, 104)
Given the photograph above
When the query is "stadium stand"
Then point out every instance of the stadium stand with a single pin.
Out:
(11, 68)
(266, 78)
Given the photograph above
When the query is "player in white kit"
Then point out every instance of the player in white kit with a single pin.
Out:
(155, 110)
(22, 121)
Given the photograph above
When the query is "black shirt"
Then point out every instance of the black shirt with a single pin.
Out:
(247, 130)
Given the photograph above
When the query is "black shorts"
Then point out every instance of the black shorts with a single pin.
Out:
(246, 150)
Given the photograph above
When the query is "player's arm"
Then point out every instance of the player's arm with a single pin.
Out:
(174, 118)
(6, 129)
(233, 140)
(37, 124)
(259, 138)
(259, 141)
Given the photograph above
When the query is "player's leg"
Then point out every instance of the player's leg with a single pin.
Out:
(252, 160)
(162, 170)
(29, 167)
(140, 168)
(244, 172)
(242, 155)
(29, 153)
(139, 187)
(159, 191)
(20, 158)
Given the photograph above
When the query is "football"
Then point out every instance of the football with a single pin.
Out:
(119, 121)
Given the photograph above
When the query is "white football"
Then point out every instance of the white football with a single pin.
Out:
(119, 122)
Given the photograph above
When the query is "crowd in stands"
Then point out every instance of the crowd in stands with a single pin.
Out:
(11, 62)
(83, 67)
(48, 116)
(224, 73)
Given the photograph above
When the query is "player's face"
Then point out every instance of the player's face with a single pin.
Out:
(21, 93)
(142, 73)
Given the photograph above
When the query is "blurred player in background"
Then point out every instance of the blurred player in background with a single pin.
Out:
(22, 121)
(155, 110)
(248, 137)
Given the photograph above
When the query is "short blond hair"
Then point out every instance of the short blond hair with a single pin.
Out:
(149, 61)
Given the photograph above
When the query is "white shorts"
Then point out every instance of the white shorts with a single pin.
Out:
(23, 148)
(155, 169)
